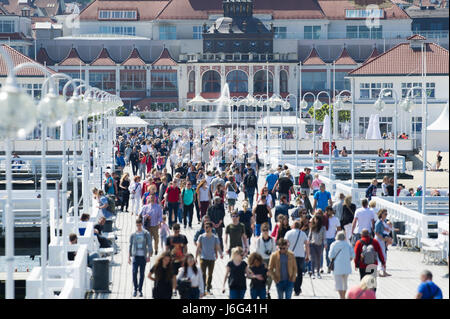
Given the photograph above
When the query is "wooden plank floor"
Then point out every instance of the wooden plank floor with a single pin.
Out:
(405, 267)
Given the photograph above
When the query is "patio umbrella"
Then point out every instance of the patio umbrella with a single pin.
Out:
(376, 134)
(326, 131)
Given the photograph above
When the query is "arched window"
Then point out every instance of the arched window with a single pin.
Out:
(237, 81)
(211, 82)
(283, 82)
(260, 82)
(191, 88)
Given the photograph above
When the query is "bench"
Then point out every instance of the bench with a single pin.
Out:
(432, 250)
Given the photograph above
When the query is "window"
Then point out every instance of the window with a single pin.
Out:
(211, 82)
(117, 15)
(316, 81)
(167, 32)
(364, 13)
(372, 90)
(312, 32)
(7, 26)
(280, 32)
(73, 75)
(33, 90)
(363, 32)
(237, 82)
(417, 93)
(197, 32)
(191, 85)
(103, 80)
(431, 89)
(386, 125)
(260, 82)
(283, 82)
(118, 30)
(132, 80)
(363, 125)
(341, 83)
(416, 122)
(164, 81)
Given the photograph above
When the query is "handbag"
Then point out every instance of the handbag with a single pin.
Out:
(331, 266)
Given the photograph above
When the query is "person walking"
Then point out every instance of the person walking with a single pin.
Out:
(332, 226)
(285, 186)
(208, 249)
(315, 184)
(246, 217)
(135, 194)
(152, 214)
(283, 269)
(236, 232)
(322, 198)
(203, 197)
(258, 283)
(124, 192)
(216, 214)
(261, 214)
(236, 272)
(348, 214)
(382, 231)
(427, 288)
(299, 246)
(250, 186)
(187, 199)
(339, 206)
(371, 191)
(177, 246)
(164, 278)
(367, 253)
(341, 254)
(271, 179)
(364, 290)
(139, 253)
(231, 189)
(265, 246)
(305, 181)
(317, 240)
(172, 201)
(191, 275)
(364, 219)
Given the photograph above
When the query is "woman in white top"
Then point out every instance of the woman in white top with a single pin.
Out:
(190, 272)
(265, 246)
(203, 197)
(384, 191)
(231, 189)
(341, 252)
(135, 195)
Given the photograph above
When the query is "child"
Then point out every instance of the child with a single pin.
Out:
(164, 232)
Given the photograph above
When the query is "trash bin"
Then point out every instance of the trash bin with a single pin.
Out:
(401, 230)
(108, 226)
(100, 274)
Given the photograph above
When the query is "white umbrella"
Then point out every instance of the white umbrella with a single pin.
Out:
(437, 133)
(198, 100)
(326, 131)
(376, 134)
(370, 128)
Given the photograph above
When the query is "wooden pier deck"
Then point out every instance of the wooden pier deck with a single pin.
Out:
(405, 267)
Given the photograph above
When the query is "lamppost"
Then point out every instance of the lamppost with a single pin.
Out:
(297, 137)
(339, 105)
(379, 105)
(272, 102)
(316, 104)
(15, 121)
(406, 105)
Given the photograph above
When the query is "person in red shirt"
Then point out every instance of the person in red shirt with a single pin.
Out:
(172, 201)
(366, 238)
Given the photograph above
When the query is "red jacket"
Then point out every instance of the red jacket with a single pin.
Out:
(359, 248)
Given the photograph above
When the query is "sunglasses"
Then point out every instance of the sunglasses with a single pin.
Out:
(235, 216)
(284, 247)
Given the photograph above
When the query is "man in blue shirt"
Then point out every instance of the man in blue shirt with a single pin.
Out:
(428, 289)
(322, 199)
(271, 180)
(109, 183)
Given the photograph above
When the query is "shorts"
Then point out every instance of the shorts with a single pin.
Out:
(231, 201)
(341, 282)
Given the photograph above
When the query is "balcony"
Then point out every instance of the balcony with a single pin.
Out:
(237, 57)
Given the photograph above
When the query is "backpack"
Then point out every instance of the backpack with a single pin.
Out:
(111, 203)
(301, 178)
(368, 255)
(252, 181)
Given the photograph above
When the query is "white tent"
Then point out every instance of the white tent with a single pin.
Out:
(287, 121)
(130, 121)
(437, 133)
(370, 128)
(376, 134)
(326, 131)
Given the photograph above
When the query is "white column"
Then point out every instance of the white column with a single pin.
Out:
(118, 79)
(276, 79)
(148, 81)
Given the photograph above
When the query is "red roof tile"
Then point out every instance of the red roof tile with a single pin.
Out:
(72, 58)
(18, 58)
(403, 60)
(165, 59)
(103, 59)
(44, 58)
(416, 37)
(345, 58)
(147, 9)
(373, 55)
(313, 58)
(134, 58)
(335, 9)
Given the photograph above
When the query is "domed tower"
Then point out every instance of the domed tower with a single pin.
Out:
(238, 31)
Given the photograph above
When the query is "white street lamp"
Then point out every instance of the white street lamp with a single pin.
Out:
(339, 105)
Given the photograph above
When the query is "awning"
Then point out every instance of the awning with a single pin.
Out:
(130, 121)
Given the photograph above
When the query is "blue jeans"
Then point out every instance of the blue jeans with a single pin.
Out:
(237, 294)
(329, 242)
(255, 293)
(138, 264)
(257, 229)
(173, 212)
(284, 289)
(180, 215)
(250, 196)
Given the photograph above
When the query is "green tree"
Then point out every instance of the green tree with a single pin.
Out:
(120, 111)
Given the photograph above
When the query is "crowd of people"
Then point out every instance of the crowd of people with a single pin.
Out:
(276, 236)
